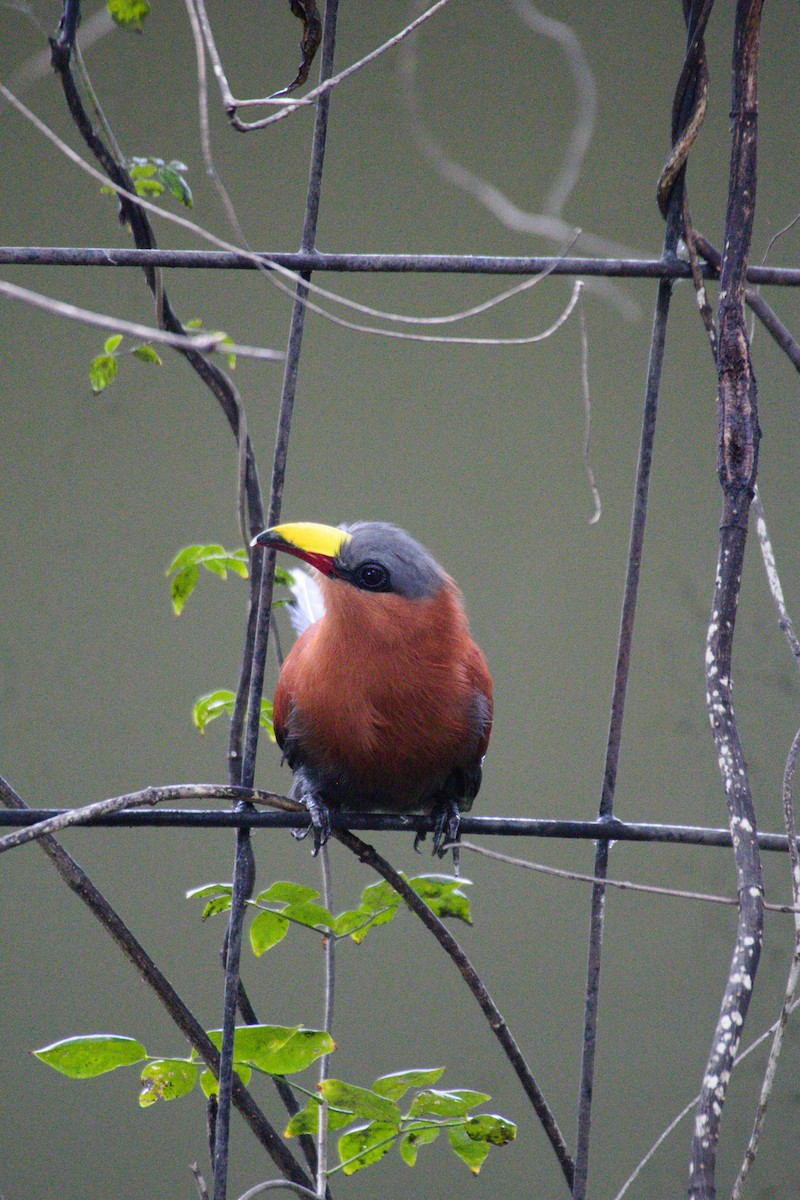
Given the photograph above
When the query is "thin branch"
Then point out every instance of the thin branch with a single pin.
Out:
(622, 885)
(291, 106)
(625, 642)
(237, 259)
(582, 131)
(329, 945)
(290, 815)
(688, 1108)
(197, 342)
(367, 854)
(587, 408)
(791, 983)
(737, 468)
(786, 625)
(78, 882)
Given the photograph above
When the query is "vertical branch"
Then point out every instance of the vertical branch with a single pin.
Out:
(243, 863)
(688, 109)
(738, 437)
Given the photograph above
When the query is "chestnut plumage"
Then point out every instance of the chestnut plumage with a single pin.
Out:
(385, 703)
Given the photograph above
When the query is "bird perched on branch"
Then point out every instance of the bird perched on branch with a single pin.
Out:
(385, 703)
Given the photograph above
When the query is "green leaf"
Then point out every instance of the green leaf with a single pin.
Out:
(112, 342)
(470, 1098)
(142, 168)
(167, 1079)
(102, 372)
(85, 1057)
(378, 896)
(396, 1085)
(182, 587)
(433, 1103)
(210, 1086)
(266, 930)
(307, 1119)
(310, 914)
(491, 1128)
(285, 892)
(221, 702)
(209, 889)
(219, 897)
(467, 1149)
(129, 14)
(213, 557)
(421, 1135)
(219, 904)
(363, 1146)
(299, 1052)
(146, 354)
(176, 185)
(277, 1049)
(363, 1103)
(442, 894)
(283, 577)
(148, 187)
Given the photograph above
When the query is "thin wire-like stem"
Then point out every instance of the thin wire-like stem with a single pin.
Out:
(242, 888)
(625, 642)
(737, 467)
(497, 1023)
(79, 882)
(288, 392)
(289, 814)
(243, 865)
(329, 945)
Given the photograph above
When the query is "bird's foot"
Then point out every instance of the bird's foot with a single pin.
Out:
(446, 824)
(320, 821)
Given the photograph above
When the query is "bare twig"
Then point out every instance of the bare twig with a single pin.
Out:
(786, 625)
(197, 342)
(622, 885)
(587, 408)
(625, 642)
(329, 944)
(367, 854)
(737, 468)
(291, 106)
(675, 1122)
(78, 882)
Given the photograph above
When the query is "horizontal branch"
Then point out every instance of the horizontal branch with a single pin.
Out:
(617, 831)
(463, 264)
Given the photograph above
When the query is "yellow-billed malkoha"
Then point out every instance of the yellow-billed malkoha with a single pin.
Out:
(385, 703)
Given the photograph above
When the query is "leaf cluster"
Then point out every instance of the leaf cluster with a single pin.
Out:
(381, 1122)
(104, 367)
(284, 904)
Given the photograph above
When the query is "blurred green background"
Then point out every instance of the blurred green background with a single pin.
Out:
(477, 451)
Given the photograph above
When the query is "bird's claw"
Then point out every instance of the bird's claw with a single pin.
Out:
(446, 824)
(320, 816)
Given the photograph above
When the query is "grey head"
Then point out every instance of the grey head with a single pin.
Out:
(382, 558)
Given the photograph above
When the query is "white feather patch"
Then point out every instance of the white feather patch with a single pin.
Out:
(306, 605)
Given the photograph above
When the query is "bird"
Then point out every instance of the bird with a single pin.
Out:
(385, 703)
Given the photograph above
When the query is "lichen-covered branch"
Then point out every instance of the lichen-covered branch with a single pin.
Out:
(738, 437)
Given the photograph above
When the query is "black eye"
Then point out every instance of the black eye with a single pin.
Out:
(372, 577)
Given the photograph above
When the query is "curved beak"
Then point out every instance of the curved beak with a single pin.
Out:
(318, 545)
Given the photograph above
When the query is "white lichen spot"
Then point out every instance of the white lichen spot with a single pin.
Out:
(745, 824)
(737, 1017)
(700, 1125)
(717, 1108)
(755, 892)
(725, 1021)
(747, 982)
